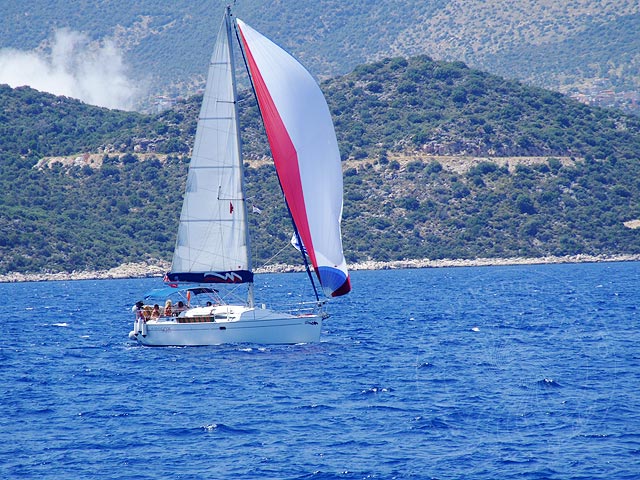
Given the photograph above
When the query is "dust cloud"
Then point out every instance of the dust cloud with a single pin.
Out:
(74, 66)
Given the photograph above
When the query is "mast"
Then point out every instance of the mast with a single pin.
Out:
(232, 65)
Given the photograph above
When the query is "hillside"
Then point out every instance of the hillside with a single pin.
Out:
(441, 161)
(580, 45)
(558, 45)
(442, 108)
(446, 108)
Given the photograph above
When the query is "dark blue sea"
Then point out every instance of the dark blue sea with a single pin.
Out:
(520, 372)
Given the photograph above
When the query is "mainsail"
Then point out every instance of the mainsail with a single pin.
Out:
(305, 152)
(212, 241)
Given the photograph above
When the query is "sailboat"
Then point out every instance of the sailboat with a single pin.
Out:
(212, 250)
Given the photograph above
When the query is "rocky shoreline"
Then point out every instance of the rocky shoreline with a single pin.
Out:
(144, 270)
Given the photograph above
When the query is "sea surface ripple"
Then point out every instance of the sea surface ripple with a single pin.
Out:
(516, 372)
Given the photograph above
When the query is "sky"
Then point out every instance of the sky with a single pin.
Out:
(73, 66)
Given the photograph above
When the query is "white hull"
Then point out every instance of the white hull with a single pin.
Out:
(228, 324)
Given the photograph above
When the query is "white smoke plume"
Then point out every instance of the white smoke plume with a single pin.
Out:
(75, 67)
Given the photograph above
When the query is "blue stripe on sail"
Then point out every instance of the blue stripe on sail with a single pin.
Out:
(231, 276)
(334, 281)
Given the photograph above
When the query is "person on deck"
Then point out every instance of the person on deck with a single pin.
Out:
(167, 309)
(179, 309)
(155, 313)
(137, 309)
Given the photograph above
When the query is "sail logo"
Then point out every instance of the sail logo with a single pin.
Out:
(223, 277)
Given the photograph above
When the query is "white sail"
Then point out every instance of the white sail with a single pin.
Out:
(305, 151)
(212, 242)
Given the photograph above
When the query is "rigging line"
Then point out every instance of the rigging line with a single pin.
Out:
(295, 228)
(274, 256)
(304, 257)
